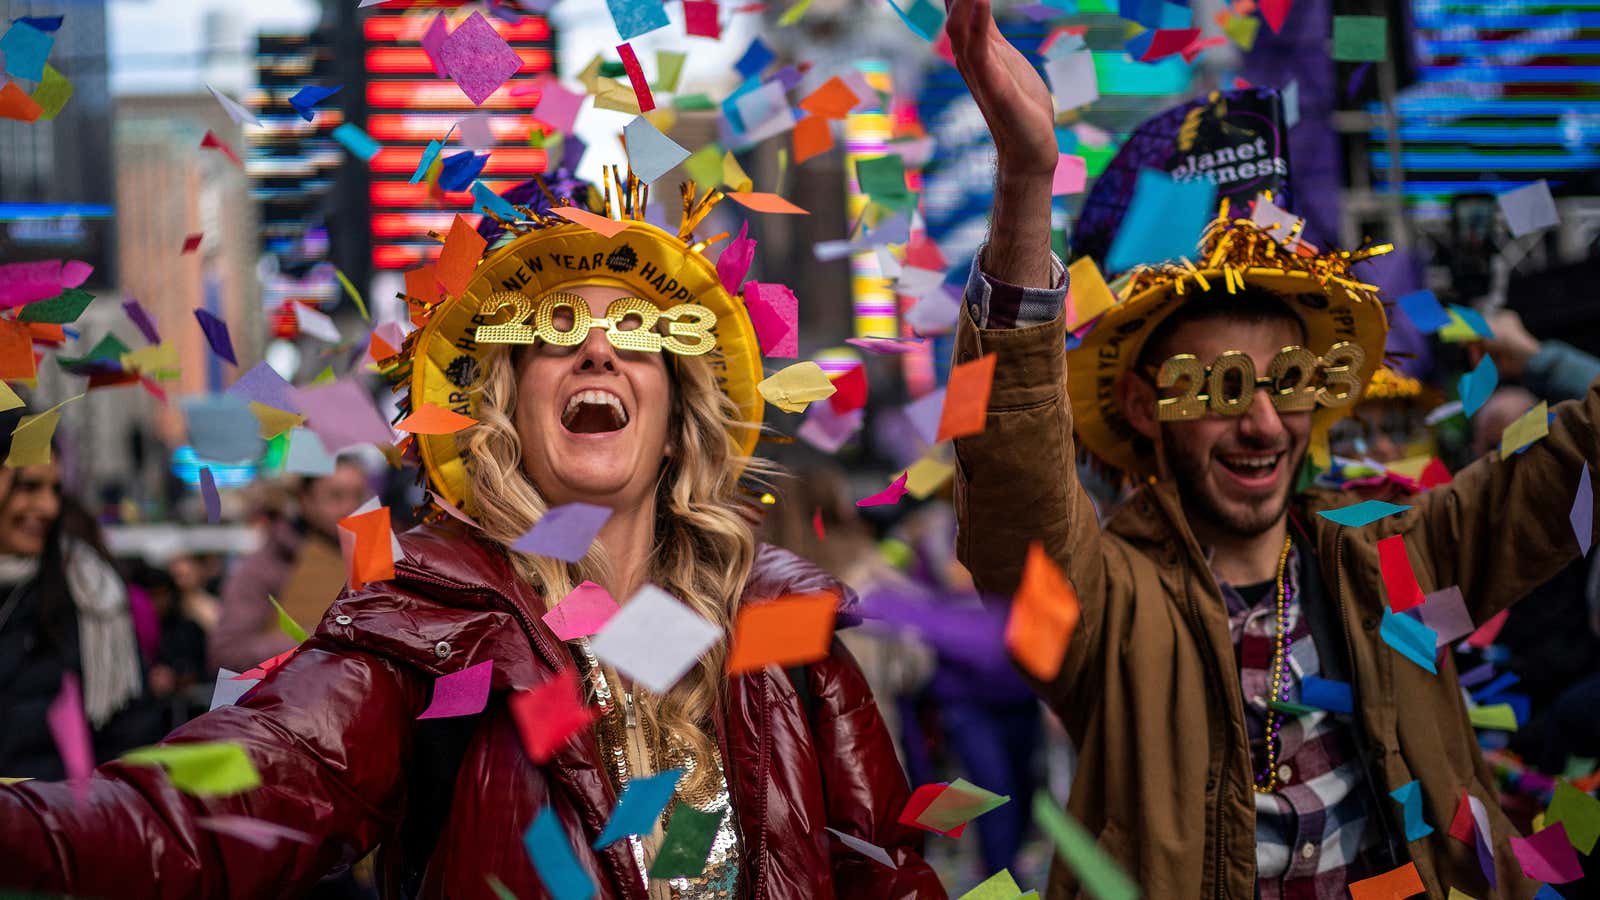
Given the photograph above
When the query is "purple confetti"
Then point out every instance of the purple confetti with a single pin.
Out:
(217, 336)
(141, 319)
(265, 386)
(208, 490)
(433, 39)
(478, 59)
(565, 532)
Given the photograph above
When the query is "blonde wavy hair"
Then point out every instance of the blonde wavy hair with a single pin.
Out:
(703, 547)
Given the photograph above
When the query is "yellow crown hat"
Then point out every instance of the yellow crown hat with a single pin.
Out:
(443, 363)
(1233, 253)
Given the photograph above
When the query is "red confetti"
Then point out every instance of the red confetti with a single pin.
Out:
(700, 18)
(192, 243)
(641, 85)
(850, 391)
(215, 143)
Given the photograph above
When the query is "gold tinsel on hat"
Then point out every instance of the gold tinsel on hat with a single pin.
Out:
(1240, 247)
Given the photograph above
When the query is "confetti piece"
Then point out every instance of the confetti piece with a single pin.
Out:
(549, 714)
(654, 639)
(16, 104)
(813, 136)
(889, 496)
(210, 769)
(433, 39)
(69, 728)
(641, 85)
(25, 48)
(733, 174)
(463, 693)
(669, 69)
(790, 631)
(208, 491)
(794, 388)
(765, 202)
(734, 263)
(1446, 613)
(1410, 638)
(688, 843)
(958, 804)
(52, 93)
(1044, 613)
(833, 100)
(1360, 38)
(1579, 813)
(966, 399)
(1364, 513)
(463, 248)
(827, 430)
(1409, 796)
(212, 142)
(431, 418)
(262, 384)
(286, 622)
(1495, 716)
(775, 312)
(636, 17)
(1165, 42)
(478, 59)
(999, 886)
(1073, 80)
(918, 801)
(850, 391)
(1582, 513)
(216, 332)
(582, 612)
(1547, 855)
(564, 532)
(558, 107)
(701, 19)
(1071, 172)
(1488, 631)
(1529, 209)
(367, 541)
(1275, 12)
(61, 310)
(547, 845)
(1529, 427)
(1394, 885)
(591, 221)
(256, 832)
(342, 414)
(1476, 386)
(639, 807)
(235, 110)
(1399, 580)
(1163, 222)
(305, 100)
(1424, 311)
(651, 154)
(1101, 876)
(358, 142)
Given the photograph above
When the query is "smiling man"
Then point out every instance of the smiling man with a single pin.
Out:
(1241, 716)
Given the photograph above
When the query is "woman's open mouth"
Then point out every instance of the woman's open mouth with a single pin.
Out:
(594, 412)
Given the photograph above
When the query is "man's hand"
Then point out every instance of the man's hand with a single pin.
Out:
(1512, 345)
(1021, 116)
(1012, 97)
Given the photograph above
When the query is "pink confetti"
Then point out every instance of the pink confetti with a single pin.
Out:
(478, 59)
(258, 832)
(641, 85)
(1071, 171)
(889, 495)
(70, 729)
(433, 39)
(734, 263)
(558, 107)
(775, 313)
(1547, 855)
(700, 18)
(463, 693)
(581, 613)
(23, 283)
(882, 346)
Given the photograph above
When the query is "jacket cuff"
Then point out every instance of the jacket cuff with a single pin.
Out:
(998, 304)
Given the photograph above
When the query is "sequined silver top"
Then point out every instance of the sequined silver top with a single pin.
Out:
(623, 740)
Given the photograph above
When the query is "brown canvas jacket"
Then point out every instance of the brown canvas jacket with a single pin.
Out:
(1149, 689)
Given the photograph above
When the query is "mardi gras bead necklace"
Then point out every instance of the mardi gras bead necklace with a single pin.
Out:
(1267, 776)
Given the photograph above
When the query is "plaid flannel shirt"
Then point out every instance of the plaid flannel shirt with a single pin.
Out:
(1311, 834)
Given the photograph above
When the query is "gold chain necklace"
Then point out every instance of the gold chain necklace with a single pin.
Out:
(1266, 780)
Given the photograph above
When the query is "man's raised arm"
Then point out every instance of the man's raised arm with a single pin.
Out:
(1016, 482)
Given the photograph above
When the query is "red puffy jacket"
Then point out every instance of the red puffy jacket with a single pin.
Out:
(334, 730)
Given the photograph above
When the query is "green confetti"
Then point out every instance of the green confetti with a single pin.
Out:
(53, 92)
(326, 376)
(883, 178)
(669, 70)
(1579, 812)
(214, 769)
(958, 804)
(793, 13)
(693, 102)
(1292, 708)
(355, 295)
(687, 844)
(1102, 878)
(286, 622)
(1360, 38)
(60, 310)
(499, 888)
(999, 886)
(1498, 716)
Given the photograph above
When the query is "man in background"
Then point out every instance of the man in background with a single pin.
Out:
(298, 563)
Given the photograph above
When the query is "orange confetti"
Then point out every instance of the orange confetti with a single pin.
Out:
(16, 104)
(812, 137)
(380, 349)
(463, 249)
(16, 351)
(434, 419)
(765, 202)
(966, 398)
(371, 554)
(1393, 885)
(1043, 616)
(591, 221)
(833, 100)
(786, 632)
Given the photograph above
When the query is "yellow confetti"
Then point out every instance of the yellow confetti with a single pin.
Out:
(275, 421)
(927, 475)
(794, 388)
(1534, 424)
(733, 175)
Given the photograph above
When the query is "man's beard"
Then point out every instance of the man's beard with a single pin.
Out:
(1199, 500)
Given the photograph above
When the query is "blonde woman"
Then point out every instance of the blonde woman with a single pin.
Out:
(613, 371)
